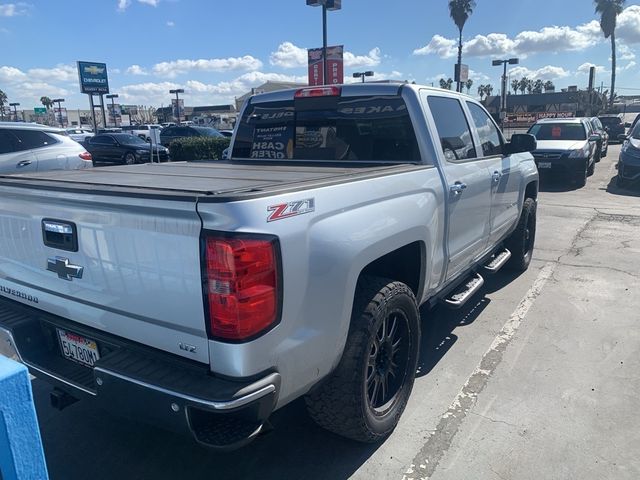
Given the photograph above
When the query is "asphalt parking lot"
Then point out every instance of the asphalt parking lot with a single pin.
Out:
(537, 379)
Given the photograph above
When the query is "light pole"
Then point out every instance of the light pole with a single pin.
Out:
(15, 110)
(59, 101)
(113, 96)
(327, 5)
(177, 91)
(503, 91)
(361, 75)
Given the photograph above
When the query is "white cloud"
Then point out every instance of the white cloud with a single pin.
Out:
(60, 73)
(624, 52)
(289, 55)
(124, 4)
(628, 66)
(478, 76)
(38, 89)
(136, 70)
(585, 67)
(547, 39)
(628, 29)
(548, 72)
(171, 24)
(11, 74)
(439, 45)
(14, 9)
(178, 67)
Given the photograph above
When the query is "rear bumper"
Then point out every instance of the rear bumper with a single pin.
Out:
(142, 383)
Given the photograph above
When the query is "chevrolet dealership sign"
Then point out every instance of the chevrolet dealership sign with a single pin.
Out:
(93, 77)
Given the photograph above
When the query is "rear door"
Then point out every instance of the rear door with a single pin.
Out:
(506, 177)
(468, 183)
(14, 157)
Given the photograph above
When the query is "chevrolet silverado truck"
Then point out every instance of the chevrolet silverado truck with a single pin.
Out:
(204, 296)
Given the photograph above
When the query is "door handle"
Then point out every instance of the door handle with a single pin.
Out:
(496, 176)
(457, 188)
(24, 163)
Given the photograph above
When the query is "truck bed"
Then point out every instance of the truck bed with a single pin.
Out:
(215, 181)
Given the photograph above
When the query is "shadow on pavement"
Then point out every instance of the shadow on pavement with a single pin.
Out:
(557, 185)
(629, 190)
(85, 442)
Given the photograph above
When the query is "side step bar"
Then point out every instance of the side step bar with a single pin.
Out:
(498, 261)
(465, 292)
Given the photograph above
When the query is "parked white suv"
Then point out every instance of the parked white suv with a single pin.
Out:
(32, 147)
(141, 131)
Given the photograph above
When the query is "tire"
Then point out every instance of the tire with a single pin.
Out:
(591, 170)
(352, 401)
(521, 242)
(581, 176)
(606, 151)
(129, 159)
(597, 155)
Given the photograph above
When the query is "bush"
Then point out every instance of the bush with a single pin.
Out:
(197, 148)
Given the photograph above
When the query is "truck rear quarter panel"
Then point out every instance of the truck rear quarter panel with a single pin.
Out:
(323, 254)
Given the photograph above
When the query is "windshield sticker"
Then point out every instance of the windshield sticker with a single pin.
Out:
(556, 132)
(272, 142)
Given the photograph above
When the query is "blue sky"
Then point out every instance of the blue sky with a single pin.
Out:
(217, 50)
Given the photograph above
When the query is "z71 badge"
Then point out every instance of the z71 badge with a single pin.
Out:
(291, 209)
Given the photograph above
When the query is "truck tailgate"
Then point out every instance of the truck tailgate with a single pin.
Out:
(140, 263)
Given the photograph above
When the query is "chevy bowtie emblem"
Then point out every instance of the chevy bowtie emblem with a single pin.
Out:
(63, 268)
(93, 70)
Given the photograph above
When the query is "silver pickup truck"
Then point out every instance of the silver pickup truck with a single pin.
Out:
(203, 296)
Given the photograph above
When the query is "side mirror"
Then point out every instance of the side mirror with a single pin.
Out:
(521, 142)
(627, 124)
(594, 138)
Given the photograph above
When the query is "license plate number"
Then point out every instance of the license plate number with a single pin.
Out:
(77, 348)
(544, 164)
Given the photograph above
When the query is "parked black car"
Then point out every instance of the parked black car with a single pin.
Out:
(614, 125)
(629, 161)
(169, 134)
(122, 148)
(603, 142)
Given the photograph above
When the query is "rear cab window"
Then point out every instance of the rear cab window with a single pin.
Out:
(332, 128)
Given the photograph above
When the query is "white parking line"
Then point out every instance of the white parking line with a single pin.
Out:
(440, 440)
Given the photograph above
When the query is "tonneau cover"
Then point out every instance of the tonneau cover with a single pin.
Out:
(197, 178)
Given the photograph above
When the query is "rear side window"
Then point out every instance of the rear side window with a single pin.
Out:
(30, 139)
(490, 138)
(8, 142)
(365, 128)
(453, 129)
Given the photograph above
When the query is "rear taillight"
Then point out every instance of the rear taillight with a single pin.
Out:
(318, 92)
(86, 156)
(241, 277)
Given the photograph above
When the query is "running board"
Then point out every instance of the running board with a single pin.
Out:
(498, 261)
(465, 292)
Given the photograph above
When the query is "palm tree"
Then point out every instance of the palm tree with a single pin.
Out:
(529, 86)
(468, 85)
(459, 11)
(488, 89)
(522, 84)
(443, 84)
(538, 85)
(481, 91)
(609, 11)
(449, 83)
(549, 86)
(515, 85)
(3, 100)
(47, 102)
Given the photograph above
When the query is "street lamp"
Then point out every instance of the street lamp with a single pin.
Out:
(177, 91)
(15, 110)
(361, 75)
(113, 96)
(329, 5)
(59, 101)
(503, 93)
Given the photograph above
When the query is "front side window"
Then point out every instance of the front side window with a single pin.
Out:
(453, 129)
(332, 128)
(490, 138)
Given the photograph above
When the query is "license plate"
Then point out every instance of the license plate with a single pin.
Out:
(544, 164)
(77, 348)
